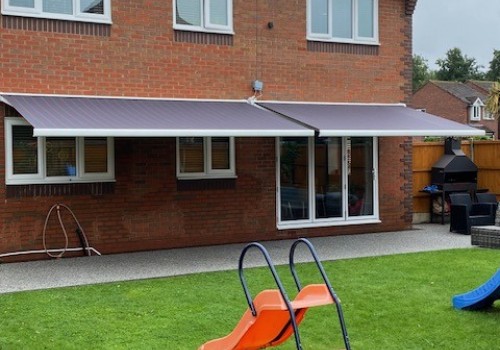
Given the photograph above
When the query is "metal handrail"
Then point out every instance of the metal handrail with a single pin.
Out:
(325, 279)
(248, 296)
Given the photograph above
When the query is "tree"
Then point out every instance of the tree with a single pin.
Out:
(458, 67)
(421, 73)
(493, 101)
(494, 71)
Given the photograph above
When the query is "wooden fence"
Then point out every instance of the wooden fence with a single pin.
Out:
(485, 154)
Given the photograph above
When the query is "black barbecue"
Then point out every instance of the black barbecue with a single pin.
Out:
(454, 171)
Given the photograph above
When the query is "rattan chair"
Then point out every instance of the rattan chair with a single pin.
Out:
(488, 198)
(464, 213)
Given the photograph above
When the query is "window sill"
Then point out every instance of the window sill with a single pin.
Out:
(206, 177)
(308, 224)
(203, 30)
(58, 17)
(345, 41)
(55, 182)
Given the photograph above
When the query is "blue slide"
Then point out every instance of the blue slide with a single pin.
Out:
(480, 298)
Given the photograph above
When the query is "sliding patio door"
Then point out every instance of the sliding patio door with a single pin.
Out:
(326, 181)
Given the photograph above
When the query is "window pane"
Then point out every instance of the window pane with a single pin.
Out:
(319, 16)
(188, 12)
(23, 3)
(61, 156)
(191, 155)
(220, 153)
(328, 177)
(360, 176)
(294, 180)
(218, 12)
(58, 6)
(92, 6)
(24, 150)
(342, 19)
(96, 155)
(365, 18)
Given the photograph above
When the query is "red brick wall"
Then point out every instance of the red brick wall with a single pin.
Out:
(439, 102)
(147, 209)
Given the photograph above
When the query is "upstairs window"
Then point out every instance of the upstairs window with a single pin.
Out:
(476, 110)
(347, 21)
(204, 15)
(38, 160)
(72, 10)
(205, 157)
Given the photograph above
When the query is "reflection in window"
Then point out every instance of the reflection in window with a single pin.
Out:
(360, 176)
(92, 6)
(294, 180)
(25, 150)
(328, 177)
(61, 156)
(188, 12)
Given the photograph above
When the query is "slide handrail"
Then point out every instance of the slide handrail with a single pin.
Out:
(334, 296)
(277, 280)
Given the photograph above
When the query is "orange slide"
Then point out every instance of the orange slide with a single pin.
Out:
(272, 324)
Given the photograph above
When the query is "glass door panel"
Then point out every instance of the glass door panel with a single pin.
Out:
(360, 175)
(294, 178)
(328, 177)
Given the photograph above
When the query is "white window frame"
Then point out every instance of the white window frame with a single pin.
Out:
(356, 39)
(40, 177)
(476, 110)
(343, 220)
(205, 25)
(78, 16)
(208, 172)
(487, 115)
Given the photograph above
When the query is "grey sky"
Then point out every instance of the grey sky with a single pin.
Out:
(471, 25)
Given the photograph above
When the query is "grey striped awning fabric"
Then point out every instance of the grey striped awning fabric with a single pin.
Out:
(369, 120)
(53, 115)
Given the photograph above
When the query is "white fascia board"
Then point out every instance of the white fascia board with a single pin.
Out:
(168, 133)
(355, 133)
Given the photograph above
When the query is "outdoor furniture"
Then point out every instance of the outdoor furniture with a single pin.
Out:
(486, 236)
(488, 198)
(464, 213)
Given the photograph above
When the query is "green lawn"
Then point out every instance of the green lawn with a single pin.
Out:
(391, 302)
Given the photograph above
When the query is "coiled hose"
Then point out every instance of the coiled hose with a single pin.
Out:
(80, 232)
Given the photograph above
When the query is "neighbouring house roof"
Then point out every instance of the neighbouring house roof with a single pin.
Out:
(481, 86)
(461, 91)
(53, 115)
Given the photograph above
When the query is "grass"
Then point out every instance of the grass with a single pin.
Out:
(391, 302)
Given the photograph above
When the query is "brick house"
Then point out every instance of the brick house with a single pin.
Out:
(177, 123)
(460, 102)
